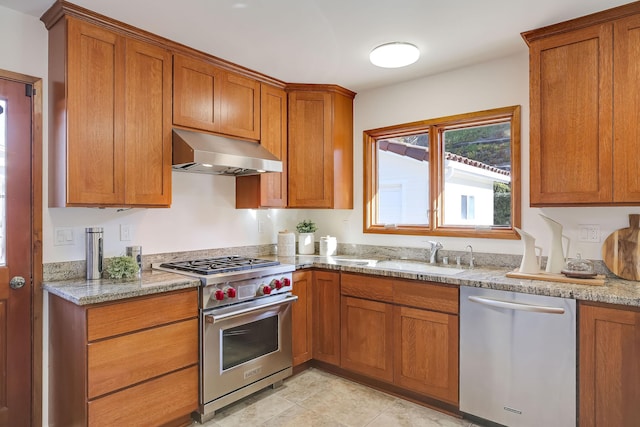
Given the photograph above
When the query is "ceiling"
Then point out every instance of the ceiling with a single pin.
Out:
(328, 41)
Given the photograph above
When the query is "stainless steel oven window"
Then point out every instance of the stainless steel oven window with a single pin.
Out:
(249, 341)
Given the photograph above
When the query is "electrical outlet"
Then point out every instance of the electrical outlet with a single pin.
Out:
(260, 226)
(125, 232)
(589, 233)
(63, 236)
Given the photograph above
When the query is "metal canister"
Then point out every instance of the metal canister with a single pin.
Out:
(135, 252)
(94, 252)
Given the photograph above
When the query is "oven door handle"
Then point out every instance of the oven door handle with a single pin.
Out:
(212, 318)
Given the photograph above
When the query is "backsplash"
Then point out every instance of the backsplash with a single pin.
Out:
(57, 271)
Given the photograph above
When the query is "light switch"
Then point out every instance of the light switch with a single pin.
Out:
(63, 236)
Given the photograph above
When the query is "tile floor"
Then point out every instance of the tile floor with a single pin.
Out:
(314, 398)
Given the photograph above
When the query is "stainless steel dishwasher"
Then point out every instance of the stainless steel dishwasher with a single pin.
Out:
(517, 358)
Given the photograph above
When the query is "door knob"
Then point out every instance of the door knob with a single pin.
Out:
(17, 282)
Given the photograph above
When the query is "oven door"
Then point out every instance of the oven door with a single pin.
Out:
(244, 343)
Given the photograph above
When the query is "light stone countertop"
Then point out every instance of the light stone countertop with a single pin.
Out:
(84, 292)
(615, 290)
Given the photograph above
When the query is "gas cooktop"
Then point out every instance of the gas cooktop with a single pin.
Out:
(216, 265)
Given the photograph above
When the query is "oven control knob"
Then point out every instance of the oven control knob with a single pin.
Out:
(264, 290)
(277, 284)
(230, 292)
(286, 282)
(219, 295)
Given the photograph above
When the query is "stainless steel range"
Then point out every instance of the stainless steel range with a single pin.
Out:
(245, 326)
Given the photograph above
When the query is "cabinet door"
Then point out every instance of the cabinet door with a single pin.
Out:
(301, 315)
(147, 125)
(326, 317)
(95, 112)
(163, 401)
(609, 371)
(196, 94)
(310, 150)
(367, 338)
(571, 118)
(626, 104)
(240, 106)
(426, 352)
(268, 189)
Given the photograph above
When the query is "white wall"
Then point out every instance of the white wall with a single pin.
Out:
(487, 85)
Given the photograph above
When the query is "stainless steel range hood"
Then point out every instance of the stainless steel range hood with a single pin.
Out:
(212, 154)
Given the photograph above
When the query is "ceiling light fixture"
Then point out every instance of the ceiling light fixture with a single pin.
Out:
(394, 55)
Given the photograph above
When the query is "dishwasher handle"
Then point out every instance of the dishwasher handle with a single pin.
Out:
(516, 305)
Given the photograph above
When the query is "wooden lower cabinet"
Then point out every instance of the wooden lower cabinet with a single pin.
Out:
(301, 315)
(132, 362)
(326, 317)
(402, 332)
(367, 338)
(609, 365)
(426, 352)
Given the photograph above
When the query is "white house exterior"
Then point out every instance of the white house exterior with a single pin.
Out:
(403, 199)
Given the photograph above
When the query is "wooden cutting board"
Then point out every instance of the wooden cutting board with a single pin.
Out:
(621, 251)
(552, 277)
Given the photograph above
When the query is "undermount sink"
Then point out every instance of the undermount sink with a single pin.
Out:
(418, 267)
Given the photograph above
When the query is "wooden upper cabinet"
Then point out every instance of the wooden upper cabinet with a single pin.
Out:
(110, 124)
(609, 372)
(584, 100)
(213, 99)
(94, 127)
(268, 189)
(196, 93)
(147, 125)
(320, 147)
(626, 104)
(240, 106)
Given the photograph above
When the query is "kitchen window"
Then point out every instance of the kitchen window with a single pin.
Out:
(451, 176)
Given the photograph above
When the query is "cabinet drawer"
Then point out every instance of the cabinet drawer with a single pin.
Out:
(123, 317)
(425, 295)
(368, 287)
(152, 403)
(129, 359)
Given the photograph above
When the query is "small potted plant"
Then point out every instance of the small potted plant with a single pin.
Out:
(306, 239)
(122, 268)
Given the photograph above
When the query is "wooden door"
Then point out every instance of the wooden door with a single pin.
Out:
(426, 352)
(310, 150)
(571, 118)
(240, 106)
(626, 105)
(95, 113)
(326, 317)
(367, 338)
(268, 189)
(148, 146)
(301, 315)
(609, 368)
(15, 255)
(196, 94)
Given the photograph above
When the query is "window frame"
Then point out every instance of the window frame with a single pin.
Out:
(435, 128)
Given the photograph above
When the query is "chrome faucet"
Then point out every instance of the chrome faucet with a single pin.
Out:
(434, 246)
(471, 263)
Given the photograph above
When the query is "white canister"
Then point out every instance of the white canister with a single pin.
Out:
(286, 243)
(328, 246)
